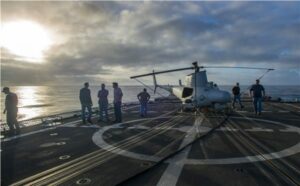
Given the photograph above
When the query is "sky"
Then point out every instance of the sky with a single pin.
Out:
(101, 42)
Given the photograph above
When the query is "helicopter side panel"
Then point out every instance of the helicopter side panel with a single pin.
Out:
(218, 96)
(207, 97)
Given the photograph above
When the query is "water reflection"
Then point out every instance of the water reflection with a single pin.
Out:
(28, 99)
(36, 101)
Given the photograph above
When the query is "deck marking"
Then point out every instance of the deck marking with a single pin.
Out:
(203, 149)
(227, 129)
(38, 131)
(248, 159)
(99, 141)
(173, 171)
(51, 128)
(258, 129)
(149, 111)
(192, 132)
(27, 134)
(264, 111)
(283, 111)
(68, 124)
(293, 105)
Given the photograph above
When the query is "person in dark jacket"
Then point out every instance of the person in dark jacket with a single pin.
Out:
(118, 94)
(103, 103)
(236, 95)
(144, 98)
(86, 103)
(11, 110)
(257, 92)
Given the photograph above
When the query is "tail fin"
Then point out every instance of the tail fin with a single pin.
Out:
(154, 82)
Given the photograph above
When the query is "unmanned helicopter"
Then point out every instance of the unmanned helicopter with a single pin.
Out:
(198, 92)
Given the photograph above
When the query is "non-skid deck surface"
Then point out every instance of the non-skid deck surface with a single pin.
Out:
(245, 150)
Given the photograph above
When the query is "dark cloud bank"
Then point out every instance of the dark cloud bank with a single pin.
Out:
(136, 35)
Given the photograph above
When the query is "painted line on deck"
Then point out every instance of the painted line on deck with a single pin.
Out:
(256, 158)
(173, 171)
(258, 129)
(171, 175)
(264, 111)
(27, 134)
(293, 106)
(100, 142)
(57, 126)
(37, 131)
(284, 111)
(150, 111)
(247, 159)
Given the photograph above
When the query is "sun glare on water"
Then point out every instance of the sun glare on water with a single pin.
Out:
(25, 39)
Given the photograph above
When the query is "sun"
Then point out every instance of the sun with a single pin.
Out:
(25, 39)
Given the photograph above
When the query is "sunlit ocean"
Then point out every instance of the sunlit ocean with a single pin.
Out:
(36, 101)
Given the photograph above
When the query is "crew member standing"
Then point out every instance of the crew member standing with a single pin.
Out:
(143, 97)
(86, 103)
(257, 92)
(11, 110)
(103, 103)
(117, 102)
(236, 96)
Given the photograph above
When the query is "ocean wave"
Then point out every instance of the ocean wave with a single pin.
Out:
(37, 106)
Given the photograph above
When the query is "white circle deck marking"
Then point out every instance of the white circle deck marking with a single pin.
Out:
(50, 144)
(100, 142)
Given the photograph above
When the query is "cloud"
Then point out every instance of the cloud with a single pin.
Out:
(23, 73)
(138, 36)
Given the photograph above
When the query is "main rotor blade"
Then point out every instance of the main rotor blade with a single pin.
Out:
(237, 67)
(162, 72)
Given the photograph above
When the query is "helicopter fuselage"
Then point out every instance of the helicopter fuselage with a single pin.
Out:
(203, 94)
